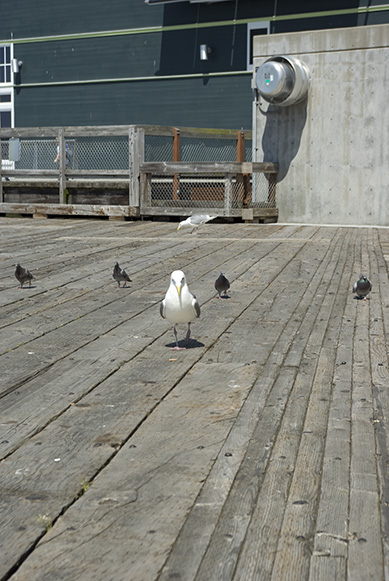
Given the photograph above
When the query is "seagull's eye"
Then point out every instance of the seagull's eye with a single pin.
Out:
(182, 281)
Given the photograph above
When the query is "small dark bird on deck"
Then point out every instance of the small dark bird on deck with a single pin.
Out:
(120, 275)
(222, 284)
(23, 275)
(362, 287)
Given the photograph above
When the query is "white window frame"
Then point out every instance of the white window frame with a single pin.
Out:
(252, 26)
(7, 88)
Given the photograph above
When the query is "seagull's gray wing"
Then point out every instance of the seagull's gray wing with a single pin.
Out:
(162, 309)
(196, 306)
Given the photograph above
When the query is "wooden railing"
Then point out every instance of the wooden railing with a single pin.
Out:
(228, 186)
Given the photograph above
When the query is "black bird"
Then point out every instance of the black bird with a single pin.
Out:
(120, 275)
(222, 284)
(23, 275)
(362, 287)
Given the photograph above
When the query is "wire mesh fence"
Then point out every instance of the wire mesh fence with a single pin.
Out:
(158, 148)
(194, 149)
(89, 153)
(214, 161)
(213, 190)
(110, 153)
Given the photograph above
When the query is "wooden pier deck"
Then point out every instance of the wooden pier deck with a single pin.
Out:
(260, 453)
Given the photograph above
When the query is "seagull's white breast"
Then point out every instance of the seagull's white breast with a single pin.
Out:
(179, 308)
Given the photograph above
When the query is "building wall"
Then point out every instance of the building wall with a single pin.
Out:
(124, 61)
(332, 148)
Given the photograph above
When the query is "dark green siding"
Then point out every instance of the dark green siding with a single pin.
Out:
(223, 102)
(28, 19)
(123, 61)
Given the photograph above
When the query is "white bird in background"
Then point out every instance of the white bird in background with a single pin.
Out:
(179, 304)
(195, 221)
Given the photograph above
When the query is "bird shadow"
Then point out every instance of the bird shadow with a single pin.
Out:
(362, 298)
(224, 297)
(26, 287)
(193, 344)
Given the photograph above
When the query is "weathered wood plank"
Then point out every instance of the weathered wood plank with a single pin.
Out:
(68, 209)
(188, 211)
(379, 326)
(207, 167)
(96, 351)
(365, 548)
(107, 130)
(223, 551)
(258, 453)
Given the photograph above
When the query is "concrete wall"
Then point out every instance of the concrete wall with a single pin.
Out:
(333, 148)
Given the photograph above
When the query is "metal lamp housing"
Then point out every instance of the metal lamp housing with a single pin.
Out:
(283, 80)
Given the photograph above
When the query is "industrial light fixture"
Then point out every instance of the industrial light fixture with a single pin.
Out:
(205, 50)
(16, 65)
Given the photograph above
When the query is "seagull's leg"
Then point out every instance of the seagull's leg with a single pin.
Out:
(118, 283)
(187, 334)
(177, 347)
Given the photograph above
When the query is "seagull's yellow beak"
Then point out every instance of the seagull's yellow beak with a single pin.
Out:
(178, 287)
(178, 227)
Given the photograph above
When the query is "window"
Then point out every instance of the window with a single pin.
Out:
(6, 88)
(5, 63)
(254, 29)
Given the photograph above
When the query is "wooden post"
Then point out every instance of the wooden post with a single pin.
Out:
(272, 189)
(243, 180)
(228, 193)
(240, 147)
(62, 167)
(1, 177)
(145, 181)
(135, 156)
(131, 161)
(176, 157)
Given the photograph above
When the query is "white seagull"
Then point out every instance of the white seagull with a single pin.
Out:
(195, 221)
(179, 304)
